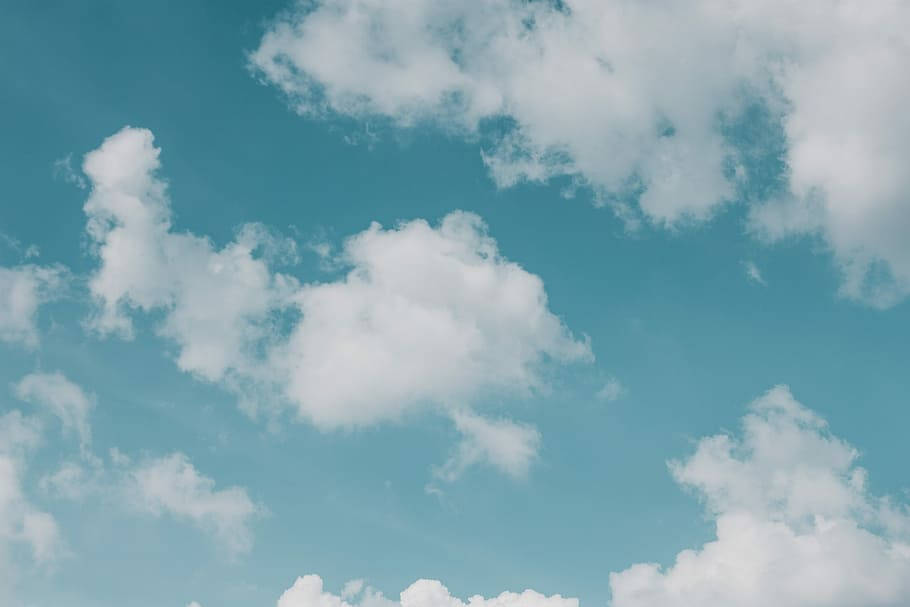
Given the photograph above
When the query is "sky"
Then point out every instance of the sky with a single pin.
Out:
(348, 303)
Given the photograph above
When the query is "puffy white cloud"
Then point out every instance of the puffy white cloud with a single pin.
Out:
(23, 289)
(63, 398)
(795, 523)
(643, 100)
(308, 591)
(172, 485)
(217, 301)
(425, 316)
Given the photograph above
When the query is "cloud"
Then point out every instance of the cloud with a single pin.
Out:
(612, 391)
(63, 398)
(168, 485)
(754, 274)
(308, 591)
(507, 446)
(351, 589)
(23, 289)
(424, 317)
(217, 301)
(171, 485)
(425, 314)
(795, 523)
(660, 104)
(63, 169)
(21, 522)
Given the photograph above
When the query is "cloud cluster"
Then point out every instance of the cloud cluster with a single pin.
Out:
(425, 316)
(648, 101)
(23, 289)
(308, 591)
(166, 485)
(795, 523)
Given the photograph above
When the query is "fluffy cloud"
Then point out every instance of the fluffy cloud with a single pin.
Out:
(22, 290)
(63, 398)
(171, 485)
(654, 101)
(307, 591)
(795, 523)
(218, 301)
(425, 316)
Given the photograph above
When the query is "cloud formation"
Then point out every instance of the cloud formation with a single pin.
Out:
(22, 524)
(425, 316)
(23, 289)
(62, 398)
(796, 524)
(171, 485)
(653, 102)
(308, 591)
(508, 446)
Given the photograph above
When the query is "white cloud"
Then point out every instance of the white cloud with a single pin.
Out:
(63, 398)
(426, 316)
(172, 485)
(23, 289)
(217, 301)
(508, 446)
(351, 589)
(795, 523)
(21, 522)
(308, 591)
(647, 96)
(612, 391)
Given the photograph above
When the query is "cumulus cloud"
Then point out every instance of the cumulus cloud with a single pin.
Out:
(217, 301)
(308, 591)
(796, 524)
(655, 104)
(61, 397)
(424, 316)
(23, 289)
(171, 485)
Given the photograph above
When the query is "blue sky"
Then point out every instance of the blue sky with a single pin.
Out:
(442, 411)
